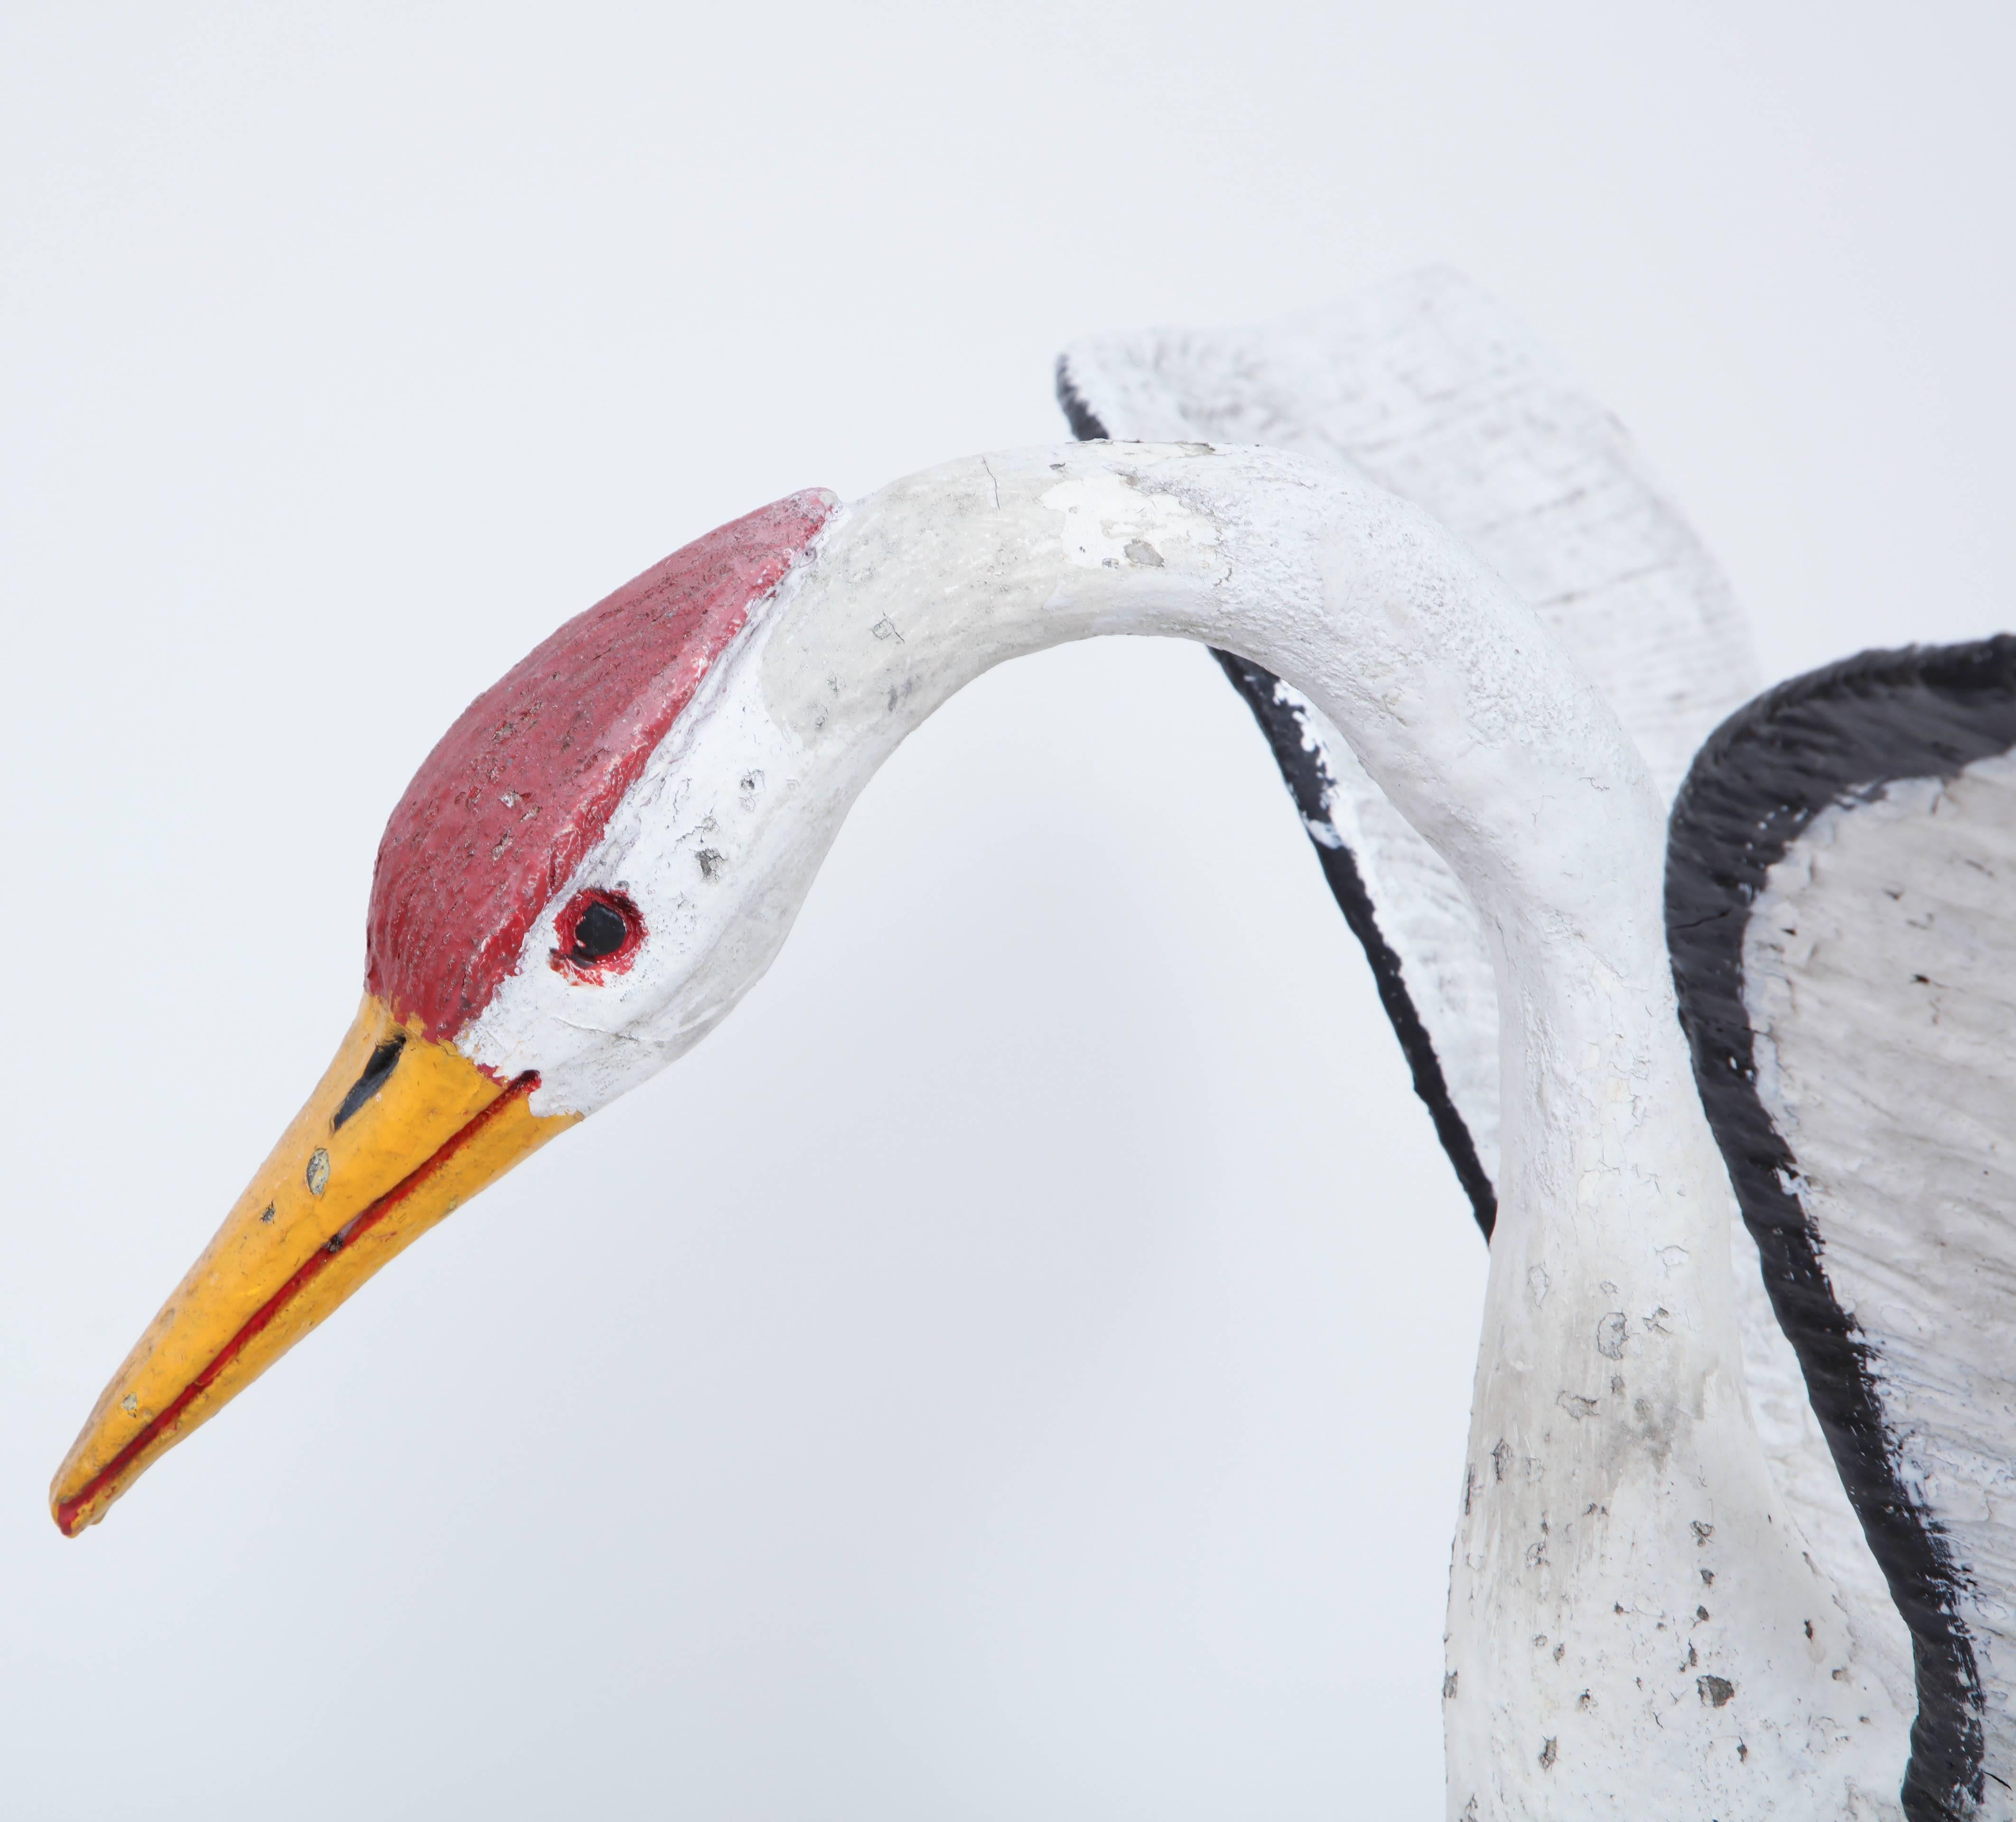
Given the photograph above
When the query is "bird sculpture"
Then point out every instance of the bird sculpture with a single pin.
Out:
(608, 848)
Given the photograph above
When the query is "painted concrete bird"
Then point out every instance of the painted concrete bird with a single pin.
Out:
(609, 847)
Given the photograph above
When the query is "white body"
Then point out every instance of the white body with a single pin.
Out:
(1613, 1458)
(1428, 388)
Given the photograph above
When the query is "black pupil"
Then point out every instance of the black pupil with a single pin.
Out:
(600, 932)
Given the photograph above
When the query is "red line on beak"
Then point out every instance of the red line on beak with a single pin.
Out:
(68, 1512)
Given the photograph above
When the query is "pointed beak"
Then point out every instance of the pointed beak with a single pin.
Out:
(400, 1133)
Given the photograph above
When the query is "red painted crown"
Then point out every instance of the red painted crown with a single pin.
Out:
(517, 792)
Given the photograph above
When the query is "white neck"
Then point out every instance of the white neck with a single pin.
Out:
(1612, 1458)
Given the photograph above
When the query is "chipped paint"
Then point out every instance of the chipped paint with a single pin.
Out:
(1430, 389)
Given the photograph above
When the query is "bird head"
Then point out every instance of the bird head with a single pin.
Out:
(545, 929)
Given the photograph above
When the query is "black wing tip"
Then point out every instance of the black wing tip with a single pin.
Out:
(1971, 673)
(1084, 421)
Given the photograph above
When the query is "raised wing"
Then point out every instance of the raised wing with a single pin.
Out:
(1842, 908)
(1427, 388)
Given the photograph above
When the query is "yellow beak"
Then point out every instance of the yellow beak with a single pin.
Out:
(400, 1132)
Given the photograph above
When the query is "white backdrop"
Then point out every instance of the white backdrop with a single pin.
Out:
(1058, 1321)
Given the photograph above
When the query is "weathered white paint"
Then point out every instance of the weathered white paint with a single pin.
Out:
(1430, 389)
(1876, 975)
(1613, 1457)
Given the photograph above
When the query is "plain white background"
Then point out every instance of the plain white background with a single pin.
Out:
(1017, 1366)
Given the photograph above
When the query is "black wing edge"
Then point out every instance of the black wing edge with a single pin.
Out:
(1300, 758)
(1838, 734)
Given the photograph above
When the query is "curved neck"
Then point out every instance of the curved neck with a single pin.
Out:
(1609, 1423)
(1456, 701)
(1460, 705)
(1611, 1435)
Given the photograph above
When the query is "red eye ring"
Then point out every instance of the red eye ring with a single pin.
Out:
(600, 934)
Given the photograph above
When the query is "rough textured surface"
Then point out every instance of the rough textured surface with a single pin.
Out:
(1838, 896)
(1429, 389)
(1612, 1455)
(1912, 1186)
(519, 788)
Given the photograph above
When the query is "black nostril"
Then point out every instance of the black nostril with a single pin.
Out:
(381, 1064)
(602, 931)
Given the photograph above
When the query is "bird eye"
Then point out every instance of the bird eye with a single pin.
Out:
(600, 933)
